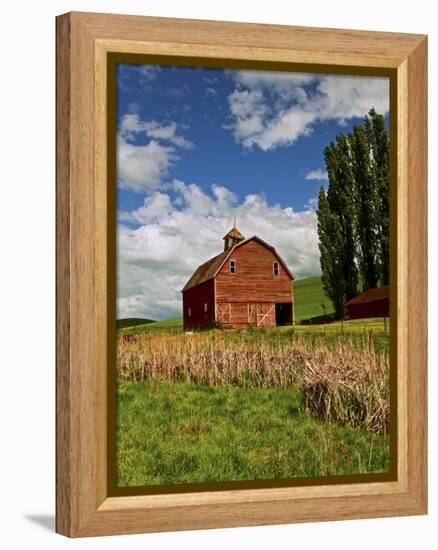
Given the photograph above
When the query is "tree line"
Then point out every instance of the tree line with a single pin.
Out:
(353, 214)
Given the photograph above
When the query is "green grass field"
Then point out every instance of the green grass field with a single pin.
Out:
(173, 432)
(309, 296)
(169, 325)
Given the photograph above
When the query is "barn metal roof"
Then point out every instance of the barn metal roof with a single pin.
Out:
(371, 295)
(209, 269)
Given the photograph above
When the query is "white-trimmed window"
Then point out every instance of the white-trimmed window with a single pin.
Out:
(233, 266)
(205, 307)
(276, 269)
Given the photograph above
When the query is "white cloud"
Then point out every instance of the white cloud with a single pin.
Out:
(284, 129)
(248, 110)
(156, 258)
(132, 125)
(273, 109)
(318, 175)
(344, 97)
(283, 82)
(143, 167)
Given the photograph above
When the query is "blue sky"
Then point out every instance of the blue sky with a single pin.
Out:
(198, 147)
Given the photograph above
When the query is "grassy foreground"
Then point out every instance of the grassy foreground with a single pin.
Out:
(258, 403)
(174, 432)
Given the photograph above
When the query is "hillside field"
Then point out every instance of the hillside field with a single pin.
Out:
(309, 296)
(130, 322)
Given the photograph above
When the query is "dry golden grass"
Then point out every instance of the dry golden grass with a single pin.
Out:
(349, 386)
(348, 383)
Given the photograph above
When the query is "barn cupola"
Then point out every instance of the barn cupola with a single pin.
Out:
(232, 238)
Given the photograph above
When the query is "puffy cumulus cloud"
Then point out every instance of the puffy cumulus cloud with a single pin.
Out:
(344, 97)
(177, 231)
(270, 110)
(142, 167)
(283, 129)
(317, 175)
(248, 112)
(284, 83)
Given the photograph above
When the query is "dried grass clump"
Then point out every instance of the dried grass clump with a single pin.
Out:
(349, 387)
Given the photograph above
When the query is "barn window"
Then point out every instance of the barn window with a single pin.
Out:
(205, 307)
(190, 311)
(232, 266)
(276, 268)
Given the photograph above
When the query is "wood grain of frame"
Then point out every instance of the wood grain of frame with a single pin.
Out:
(84, 40)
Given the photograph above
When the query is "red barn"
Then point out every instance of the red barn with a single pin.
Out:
(371, 303)
(248, 284)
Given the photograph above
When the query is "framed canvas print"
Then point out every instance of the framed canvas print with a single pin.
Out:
(241, 274)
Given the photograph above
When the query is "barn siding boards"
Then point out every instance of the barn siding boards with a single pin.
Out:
(195, 299)
(254, 280)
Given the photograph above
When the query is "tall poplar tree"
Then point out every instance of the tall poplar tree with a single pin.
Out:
(340, 197)
(366, 208)
(378, 146)
(330, 249)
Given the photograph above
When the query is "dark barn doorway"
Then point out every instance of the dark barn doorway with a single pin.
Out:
(283, 314)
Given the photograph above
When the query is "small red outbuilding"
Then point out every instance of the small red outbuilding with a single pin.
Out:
(371, 303)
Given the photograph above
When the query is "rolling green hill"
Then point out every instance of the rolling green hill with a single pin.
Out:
(174, 323)
(309, 296)
(132, 322)
(171, 325)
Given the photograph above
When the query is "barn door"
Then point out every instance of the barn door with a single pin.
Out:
(252, 314)
(223, 314)
(265, 315)
(261, 315)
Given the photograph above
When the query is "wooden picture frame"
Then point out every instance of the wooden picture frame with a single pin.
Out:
(85, 41)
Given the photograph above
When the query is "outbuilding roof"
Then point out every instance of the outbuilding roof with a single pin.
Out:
(371, 295)
(209, 269)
